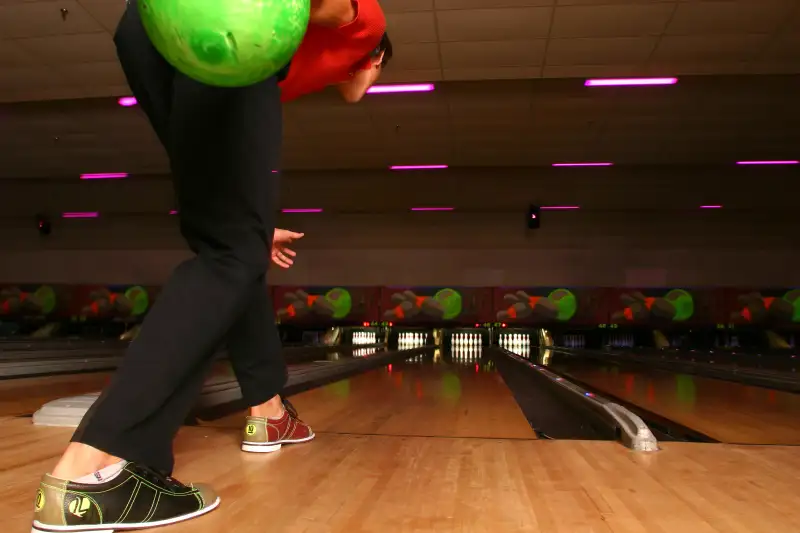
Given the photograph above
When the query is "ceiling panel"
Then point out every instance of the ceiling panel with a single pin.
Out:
(702, 120)
(457, 40)
(491, 106)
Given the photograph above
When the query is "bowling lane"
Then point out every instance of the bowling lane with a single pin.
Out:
(455, 395)
(432, 395)
(726, 411)
(24, 396)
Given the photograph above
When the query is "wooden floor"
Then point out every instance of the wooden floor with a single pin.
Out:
(727, 411)
(436, 448)
(360, 484)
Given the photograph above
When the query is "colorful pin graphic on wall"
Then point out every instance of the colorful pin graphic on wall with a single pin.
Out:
(335, 303)
(677, 305)
(16, 301)
(104, 303)
(445, 304)
(560, 305)
(758, 308)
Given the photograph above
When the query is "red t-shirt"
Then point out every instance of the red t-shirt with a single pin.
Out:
(328, 56)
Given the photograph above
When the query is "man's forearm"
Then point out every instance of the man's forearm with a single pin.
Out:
(355, 89)
(333, 13)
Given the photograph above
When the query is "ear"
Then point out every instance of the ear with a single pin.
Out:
(377, 60)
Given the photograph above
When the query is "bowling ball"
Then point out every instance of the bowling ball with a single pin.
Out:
(683, 302)
(566, 304)
(341, 301)
(451, 302)
(793, 297)
(46, 297)
(139, 298)
(233, 43)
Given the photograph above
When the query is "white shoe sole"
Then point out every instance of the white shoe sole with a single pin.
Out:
(254, 447)
(104, 528)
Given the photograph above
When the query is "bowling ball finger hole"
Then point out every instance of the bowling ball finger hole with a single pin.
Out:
(231, 40)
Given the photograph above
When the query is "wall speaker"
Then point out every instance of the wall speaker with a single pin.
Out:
(43, 225)
(534, 216)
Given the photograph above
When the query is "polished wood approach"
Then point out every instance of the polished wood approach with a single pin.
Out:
(439, 448)
(441, 400)
(724, 410)
(24, 396)
(365, 484)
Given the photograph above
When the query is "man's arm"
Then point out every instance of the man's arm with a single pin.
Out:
(355, 88)
(332, 13)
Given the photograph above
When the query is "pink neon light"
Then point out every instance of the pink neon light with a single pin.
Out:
(127, 101)
(432, 208)
(558, 207)
(173, 212)
(788, 162)
(105, 176)
(303, 210)
(403, 88)
(710, 207)
(602, 164)
(93, 214)
(630, 82)
(417, 167)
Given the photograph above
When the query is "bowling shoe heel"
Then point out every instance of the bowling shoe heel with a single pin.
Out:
(265, 435)
(260, 448)
(37, 530)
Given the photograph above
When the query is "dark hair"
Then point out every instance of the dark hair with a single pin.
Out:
(385, 47)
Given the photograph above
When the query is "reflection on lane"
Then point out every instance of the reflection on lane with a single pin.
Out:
(471, 357)
(724, 410)
(437, 393)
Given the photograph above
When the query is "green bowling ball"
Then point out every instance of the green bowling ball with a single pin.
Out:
(566, 303)
(47, 298)
(683, 302)
(341, 301)
(793, 297)
(451, 302)
(231, 43)
(140, 299)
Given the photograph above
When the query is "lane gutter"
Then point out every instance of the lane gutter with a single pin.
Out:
(631, 431)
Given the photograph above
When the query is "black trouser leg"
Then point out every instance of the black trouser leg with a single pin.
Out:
(223, 145)
(260, 375)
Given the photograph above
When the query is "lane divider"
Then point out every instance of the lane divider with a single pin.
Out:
(633, 432)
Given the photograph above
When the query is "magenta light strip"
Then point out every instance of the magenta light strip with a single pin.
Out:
(582, 164)
(173, 212)
(127, 101)
(621, 82)
(558, 207)
(93, 214)
(788, 162)
(105, 176)
(710, 207)
(305, 210)
(417, 167)
(432, 208)
(404, 88)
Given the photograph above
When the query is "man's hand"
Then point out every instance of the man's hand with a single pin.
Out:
(281, 255)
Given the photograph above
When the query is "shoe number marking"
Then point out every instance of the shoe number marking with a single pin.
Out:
(39, 500)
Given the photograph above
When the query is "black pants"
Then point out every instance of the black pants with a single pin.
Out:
(223, 145)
